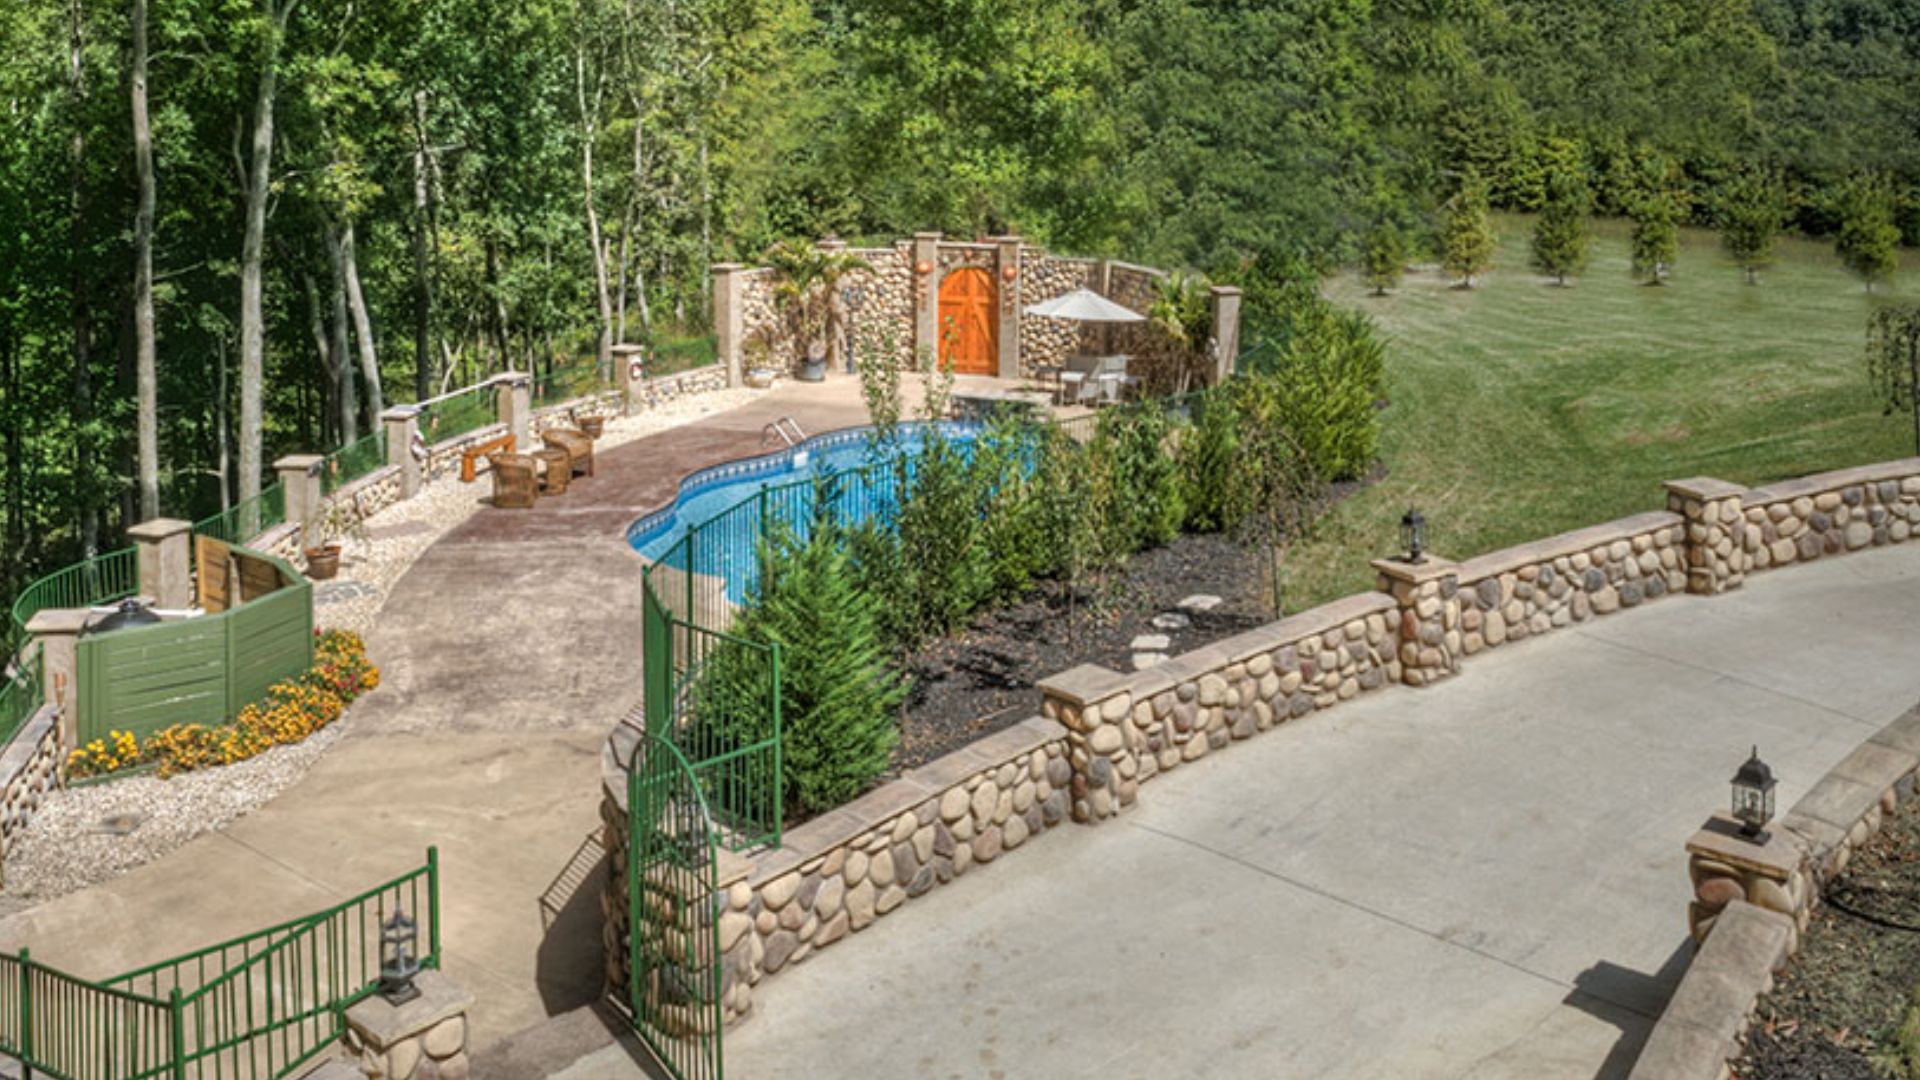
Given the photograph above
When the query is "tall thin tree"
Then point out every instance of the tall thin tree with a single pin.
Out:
(253, 332)
(146, 377)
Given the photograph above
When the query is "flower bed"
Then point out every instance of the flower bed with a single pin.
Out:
(291, 711)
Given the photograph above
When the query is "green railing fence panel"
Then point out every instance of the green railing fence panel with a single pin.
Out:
(457, 414)
(268, 640)
(258, 1007)
(565, 384)
(143, 679)
(99, 580)
(676, 969)
(22, 694)
(246, 519)
(353, 461)
(672, 355)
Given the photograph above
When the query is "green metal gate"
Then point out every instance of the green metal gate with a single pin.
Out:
(676, 979)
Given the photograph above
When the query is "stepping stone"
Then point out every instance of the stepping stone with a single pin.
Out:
(1144, 660)
(1151, 643)
(1199, 602)
(338, 592)
(1171, 620)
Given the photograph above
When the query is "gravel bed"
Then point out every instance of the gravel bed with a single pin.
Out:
(68, 846)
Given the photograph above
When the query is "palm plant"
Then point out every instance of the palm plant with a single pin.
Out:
(808, 279)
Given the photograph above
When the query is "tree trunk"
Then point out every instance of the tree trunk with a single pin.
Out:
(604, 346)
(341, 359)
(146, 375)
(253, 333)
(422, 267)
(81, 312)
(362, 327)
(323, 352)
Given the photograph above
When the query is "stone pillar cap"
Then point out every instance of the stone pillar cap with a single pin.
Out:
(1225, 290)
(397, 413)
(932, 234)
(53, 621)
(292, 462)
(382, 1024)
(1704, 487)
(728, 267)
(627, 349)
(1429, 569)
(159, 528)
(1720, 839)
(1085, 684)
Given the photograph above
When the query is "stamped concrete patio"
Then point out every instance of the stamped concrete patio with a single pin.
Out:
(1482, 879)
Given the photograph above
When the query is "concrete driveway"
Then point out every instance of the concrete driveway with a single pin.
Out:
(1483, 879)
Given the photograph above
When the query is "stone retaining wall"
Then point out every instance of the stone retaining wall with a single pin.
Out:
(29, 768)
(1043, 277)
(1752, 900)
(1551, 584)
(836, 875)
(1802, 520)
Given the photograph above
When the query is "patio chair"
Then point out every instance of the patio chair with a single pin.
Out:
(514, 487)
(1077, 382)
(576, 444)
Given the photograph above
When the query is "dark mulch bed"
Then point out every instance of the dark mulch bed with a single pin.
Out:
(983, 679)
(1836, 1012)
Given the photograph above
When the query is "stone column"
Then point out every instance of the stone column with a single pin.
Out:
(165, 551)
(1096, 704)
(1716, 532)
(513, 404)
(403, 427)
(630, 375)
(58, 632)
(1428, 595)
(424, 1039)
(1226, 331)
(1007, 258)
(1769, 872)
(926, 294)
(729, 316)
(300, 480)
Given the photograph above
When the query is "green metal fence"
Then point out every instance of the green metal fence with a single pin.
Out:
(353, 461)
(248, 518)
(258, 1007)
(99, 580)
(456, 414)
(672, 355)
(565, 384)
(677, 977)
(22, 694)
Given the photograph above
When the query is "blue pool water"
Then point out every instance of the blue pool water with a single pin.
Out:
(726, 545)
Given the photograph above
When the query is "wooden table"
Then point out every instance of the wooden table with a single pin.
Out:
(556, 468)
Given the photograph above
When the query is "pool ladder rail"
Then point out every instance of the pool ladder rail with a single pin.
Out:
(787, 428)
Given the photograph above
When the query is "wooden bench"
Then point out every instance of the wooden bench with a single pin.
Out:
(472, 455)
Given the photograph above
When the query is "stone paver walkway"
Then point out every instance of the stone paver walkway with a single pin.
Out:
(1479, 880)
(507, 652)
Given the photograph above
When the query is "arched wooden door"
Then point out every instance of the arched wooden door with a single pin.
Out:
(969, 322)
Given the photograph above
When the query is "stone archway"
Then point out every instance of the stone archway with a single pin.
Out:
(969, 325)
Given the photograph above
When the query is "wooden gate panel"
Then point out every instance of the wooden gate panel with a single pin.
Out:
(969, 326)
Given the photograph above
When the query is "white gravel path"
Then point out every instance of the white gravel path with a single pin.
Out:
(67, 846)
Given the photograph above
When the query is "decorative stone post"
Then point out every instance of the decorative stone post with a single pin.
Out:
(403, 427)
(300, 480)
(424, 1039)
(1226, 331)
(1095, 705)
(630, 375)
(513, 404)
(1725, 866)
(1428, 595)
(165, 552)
(1007, 274)
(926, 294)
(729, 316)
(1716, 532)
(58, 632)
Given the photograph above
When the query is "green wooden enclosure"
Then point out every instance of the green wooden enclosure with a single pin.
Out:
(196, 671)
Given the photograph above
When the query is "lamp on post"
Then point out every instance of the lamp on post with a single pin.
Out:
(1753, 797)
(399, 958)
(1413, 532)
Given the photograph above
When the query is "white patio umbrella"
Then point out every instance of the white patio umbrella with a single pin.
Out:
(1084, 305)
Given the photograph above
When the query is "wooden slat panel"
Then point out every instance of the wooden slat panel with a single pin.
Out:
(258, 577)
(269, 640)
(210, 558)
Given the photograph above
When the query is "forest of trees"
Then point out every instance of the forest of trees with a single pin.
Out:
(230, 229)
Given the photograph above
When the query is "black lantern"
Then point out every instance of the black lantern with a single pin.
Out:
(1413, 530)
(130, 614)
(399, 958)
(1753, 796)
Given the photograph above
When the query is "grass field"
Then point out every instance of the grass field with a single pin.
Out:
(1519, 409)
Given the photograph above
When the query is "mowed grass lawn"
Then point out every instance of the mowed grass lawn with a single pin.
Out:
(1519, 409)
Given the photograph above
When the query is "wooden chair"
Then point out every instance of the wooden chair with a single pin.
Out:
(575, 443)
(514, 485)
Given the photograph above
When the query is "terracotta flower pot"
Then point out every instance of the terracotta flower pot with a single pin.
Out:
(323, 562)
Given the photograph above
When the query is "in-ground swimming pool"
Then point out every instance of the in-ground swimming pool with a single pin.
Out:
(726, 544)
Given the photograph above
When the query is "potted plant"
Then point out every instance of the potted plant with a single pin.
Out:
(336, 518)
(807, 293)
